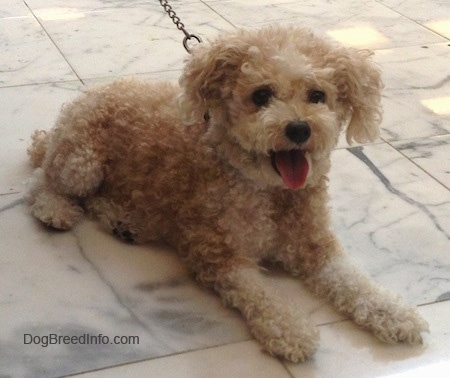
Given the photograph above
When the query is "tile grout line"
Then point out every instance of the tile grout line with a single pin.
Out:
(155, 358)
(390, 144)
(359, 154)
(220, 15)
(53, 42)
(414, 21)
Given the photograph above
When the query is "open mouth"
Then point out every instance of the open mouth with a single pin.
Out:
(292, 166)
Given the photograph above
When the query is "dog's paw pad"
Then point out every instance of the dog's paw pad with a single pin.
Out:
(121, 231)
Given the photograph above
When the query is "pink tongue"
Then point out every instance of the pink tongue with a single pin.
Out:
(293, 167)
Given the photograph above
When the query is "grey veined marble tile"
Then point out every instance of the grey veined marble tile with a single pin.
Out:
(394, 219)
(431, 154)
(416, 99)
(28, 55)
(129, 40)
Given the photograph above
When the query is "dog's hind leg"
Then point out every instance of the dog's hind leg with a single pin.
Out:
(52, 209)
(38, 147)
(76, 174)
(70, 171)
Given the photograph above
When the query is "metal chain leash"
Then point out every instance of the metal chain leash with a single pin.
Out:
(180, 26)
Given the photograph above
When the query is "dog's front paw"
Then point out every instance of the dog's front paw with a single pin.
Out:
(281, 328)
(294, 341)
(393, 322)
(405, 325)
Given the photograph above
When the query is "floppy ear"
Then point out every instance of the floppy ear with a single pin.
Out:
(359, 90)
(208, 78)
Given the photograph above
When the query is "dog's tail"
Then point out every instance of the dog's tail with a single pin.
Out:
(38, 148)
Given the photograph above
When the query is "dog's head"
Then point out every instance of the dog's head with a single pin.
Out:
(277, 99)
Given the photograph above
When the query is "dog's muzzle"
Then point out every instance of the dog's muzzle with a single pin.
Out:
(292, 165)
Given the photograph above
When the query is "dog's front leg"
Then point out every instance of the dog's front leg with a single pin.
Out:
(370, 306)
(279, 327)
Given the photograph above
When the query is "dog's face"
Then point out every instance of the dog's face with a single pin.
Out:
(277, 100)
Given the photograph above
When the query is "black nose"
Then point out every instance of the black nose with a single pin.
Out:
(298, 131)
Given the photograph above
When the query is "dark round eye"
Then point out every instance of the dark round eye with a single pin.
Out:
(316, 97)
(262, 96)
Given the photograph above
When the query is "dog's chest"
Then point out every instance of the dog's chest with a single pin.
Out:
(248, 225)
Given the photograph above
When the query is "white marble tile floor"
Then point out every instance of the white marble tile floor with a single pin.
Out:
(390, 199)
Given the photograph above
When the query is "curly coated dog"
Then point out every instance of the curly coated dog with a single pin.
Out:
(231, 169)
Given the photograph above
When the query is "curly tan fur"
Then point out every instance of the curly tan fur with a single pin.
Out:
(231, 169)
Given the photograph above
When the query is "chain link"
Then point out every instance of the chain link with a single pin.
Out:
(180, 26)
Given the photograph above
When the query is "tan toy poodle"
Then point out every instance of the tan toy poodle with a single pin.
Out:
(231, 169)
